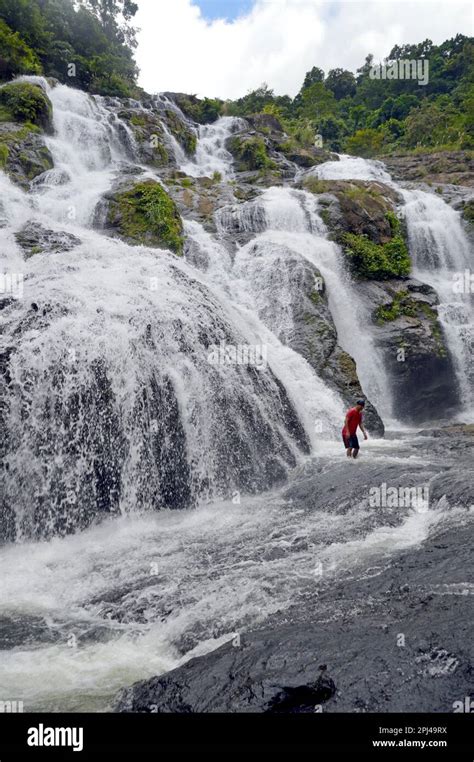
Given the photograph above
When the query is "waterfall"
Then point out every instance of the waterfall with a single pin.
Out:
(211, 154)
(288, 221)
(441, 254)
(134, 380)
(113, 399)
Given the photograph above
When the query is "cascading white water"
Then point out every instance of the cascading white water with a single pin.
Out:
(441, 255)
(113, 402)
(288, 220)
(212, 155)
(440, 251)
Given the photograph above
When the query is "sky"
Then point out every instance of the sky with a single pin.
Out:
(225, 48)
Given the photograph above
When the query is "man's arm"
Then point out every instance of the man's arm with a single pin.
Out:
(362, 428)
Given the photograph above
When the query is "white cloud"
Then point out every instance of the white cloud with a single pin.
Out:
(279, 40)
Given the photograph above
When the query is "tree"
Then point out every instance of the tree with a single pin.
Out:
(317, 102)
(341, 83)
(365, 143)
(15, 55)
(312, 76)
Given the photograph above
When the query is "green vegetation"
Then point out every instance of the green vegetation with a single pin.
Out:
(402, 304)
(15, 55)
(87, 44)
(315, 185)
(148, 216)
(3, 155)
(405, 305)
(24, 102)
(468, 211)
(250, 153)
(367, 116)
(378, 260)
(203, 111)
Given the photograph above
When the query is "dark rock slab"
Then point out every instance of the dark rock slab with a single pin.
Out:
(36, 239)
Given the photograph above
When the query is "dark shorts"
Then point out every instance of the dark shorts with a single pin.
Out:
(351, 441)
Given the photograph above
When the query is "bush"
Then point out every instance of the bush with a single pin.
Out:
(250, 152)
(379, 261)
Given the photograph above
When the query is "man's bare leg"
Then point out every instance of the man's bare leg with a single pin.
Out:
(349, 452)
(355, 453)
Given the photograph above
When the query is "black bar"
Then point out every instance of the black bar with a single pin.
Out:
(151, 733)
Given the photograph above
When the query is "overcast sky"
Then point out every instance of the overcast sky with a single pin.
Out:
(225, 48)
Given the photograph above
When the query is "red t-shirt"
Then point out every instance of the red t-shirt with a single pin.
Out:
(353, 420)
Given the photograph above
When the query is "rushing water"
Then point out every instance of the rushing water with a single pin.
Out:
(441, 253)
(113, 406)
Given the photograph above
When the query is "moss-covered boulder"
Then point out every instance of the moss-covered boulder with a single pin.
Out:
(149, 136)
(250, 152)
(25, 113)
(361, 216)
(203, 111)
(23, 153)
(26, 102)
(144, 213)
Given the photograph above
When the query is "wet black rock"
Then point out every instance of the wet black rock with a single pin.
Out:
(391, 637)
(36, 239)
(414, 347)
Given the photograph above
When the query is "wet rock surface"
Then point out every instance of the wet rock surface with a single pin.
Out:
(408, 332)
(453, 167)
(26, 155)
(36, 239)
(387, 636)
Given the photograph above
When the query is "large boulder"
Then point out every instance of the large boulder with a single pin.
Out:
(142, 212)
(411, 338)
(23, 153)
(22, 101)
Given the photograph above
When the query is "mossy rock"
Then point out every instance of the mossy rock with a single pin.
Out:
(203, 111)
(23, 154)
(26, 102)
(149, 135)
(145, 214)
(250, 153)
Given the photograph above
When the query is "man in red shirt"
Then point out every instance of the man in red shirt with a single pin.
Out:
(349, 431)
